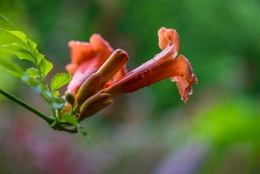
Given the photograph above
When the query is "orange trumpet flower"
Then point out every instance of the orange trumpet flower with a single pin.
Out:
(163, 65)
(99, 75)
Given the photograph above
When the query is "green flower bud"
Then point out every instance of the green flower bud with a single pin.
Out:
(69, 97)
(88, 88)
(94, 104)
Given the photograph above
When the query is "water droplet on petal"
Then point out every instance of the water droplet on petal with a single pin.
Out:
(150, 71)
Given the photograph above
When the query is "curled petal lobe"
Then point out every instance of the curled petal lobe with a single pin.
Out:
(80, 51)
(169, 38)
(101, 46)
(184, 87)
(187, 71)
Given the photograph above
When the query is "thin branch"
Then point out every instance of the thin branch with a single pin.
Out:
(27, 106)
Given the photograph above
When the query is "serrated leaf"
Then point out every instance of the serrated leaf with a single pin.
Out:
(70, 119)
(32, 72)
(55, 93)
(59, 80)
(32, 45)
(39, 57)
(31, 81)
(20, 35)
(19, 51)
(36, 56)
(11, 68)
(45, 67)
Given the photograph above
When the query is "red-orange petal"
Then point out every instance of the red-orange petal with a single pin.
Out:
(82, 74)
(101, 46)
(184, 87)
(80, 51)
(169, 38)
(87, 58)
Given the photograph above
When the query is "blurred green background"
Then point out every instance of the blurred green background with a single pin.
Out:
(151, 130)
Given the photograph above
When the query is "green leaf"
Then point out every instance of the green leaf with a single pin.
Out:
(19, 51)
(55, 93)
(39, 57)
(32, 45)
(70, 119)
(11, 68)
(32, 72)
(60, 80)
(32, 82)
(20, 35)
(45, 67)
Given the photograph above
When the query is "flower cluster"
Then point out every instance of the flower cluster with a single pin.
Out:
(99, 73)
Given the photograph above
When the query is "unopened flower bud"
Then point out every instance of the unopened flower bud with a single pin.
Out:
(113, 65)
(69, 97)
(88, 88)
(94, 104)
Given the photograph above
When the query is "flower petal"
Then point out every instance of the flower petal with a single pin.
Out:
(183, 68)
(80, 51)
(86, 58)
(101, 46)
(184, 87)
(169, 38)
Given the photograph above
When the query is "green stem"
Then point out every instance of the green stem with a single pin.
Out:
(27, 106)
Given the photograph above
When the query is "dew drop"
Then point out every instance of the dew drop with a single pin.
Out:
(150, 71)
